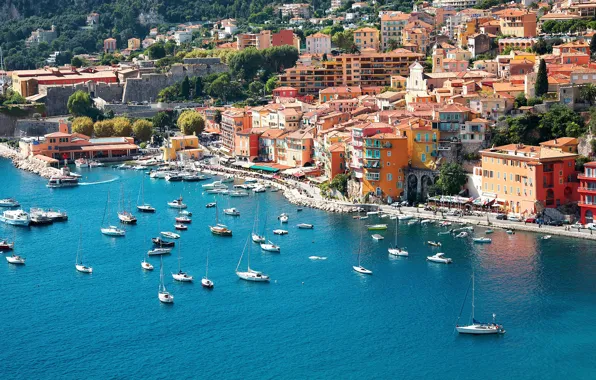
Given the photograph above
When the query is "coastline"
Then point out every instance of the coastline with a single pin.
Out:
(27, 163)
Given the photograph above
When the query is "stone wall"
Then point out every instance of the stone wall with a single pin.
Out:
(584, 147)
(57, 96)
(33, 127)
(9, 117)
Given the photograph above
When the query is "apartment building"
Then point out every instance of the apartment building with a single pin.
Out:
(518, 176)
(318, 43)
(423, 142)
(109, 45)
(384, 159)
(587, 193)
(518, 23)
(367, 69)
(456, 4)
(366, 38)
(295, 10)
(232, 122)
(392, 24)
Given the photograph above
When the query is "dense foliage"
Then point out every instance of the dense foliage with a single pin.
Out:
(451, 179)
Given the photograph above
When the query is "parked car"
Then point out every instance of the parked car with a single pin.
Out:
(453, 213)
(513, 218)
(530, 220)
(501, 217)
(591, 226)
(396, 204)
(577, 225)
(556, 223)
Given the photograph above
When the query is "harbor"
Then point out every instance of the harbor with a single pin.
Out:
(314, 296)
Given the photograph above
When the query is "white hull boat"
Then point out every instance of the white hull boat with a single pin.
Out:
(15, 259)
(478, 328)
(397, 252)
(159, 251)
(146, 208)
(177, 203)
(146, 266)
(162, 293)
(258, 238)
(83, 268)
(170, 235)
(15, 218)
(361, 269)
(305, 226)
(9, 202)
(280, 232)
(231, 211)
(439, 258)
(253, 276)
(113, 231)
(404, 217)
(206, 283)
(165, 297)
(270, 247)
(182, 277)
(378, 237)
(482, 240)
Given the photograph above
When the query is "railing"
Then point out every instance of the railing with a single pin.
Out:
(582, 176)
(587, 189)
(548, 185)
(548, 169)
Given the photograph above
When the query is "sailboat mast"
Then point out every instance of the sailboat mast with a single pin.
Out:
(473, 286)
(360, 248)
(395, 232)
(207, 266)
(179, 267)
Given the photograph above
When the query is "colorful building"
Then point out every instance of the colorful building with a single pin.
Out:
(247, 144)
(109, 45)
(518, 23)
(422, 141)
(233, 121)
(298, 149)
(385, 158)
(392, 24)
(587, 193)
(366, 38)
(519, 176)
(134, 44)
(318, 43)
(182, 147)
(27, 82)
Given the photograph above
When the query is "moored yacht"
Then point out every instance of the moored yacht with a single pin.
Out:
(478, 328)
(15, 259)
(170, 235)
(15, 217)
(270, 247)
(5, 245)
(162, 293)
(439, 258)
(9, 202)
(232, 211)
(250, 274)
(39, 217)
(112, 231)
(82, 163)
(62, 181)
(177, 203)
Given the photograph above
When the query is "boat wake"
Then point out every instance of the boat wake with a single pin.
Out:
(98, 183)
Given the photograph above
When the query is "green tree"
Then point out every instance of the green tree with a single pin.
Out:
(343, 40)
(76, 62)
(143, 129)
(161, 121)
(198, 87)
(561, 121)
(122, 126)
(593, 47)
(191, 122)
(12, 97)
(588, 92)
(340, 183)
(246, 63)
(217, 117)
(520, 100)
(104, 128)
(392, 44)
(451, 179)
(156, 51)
(185, 88)
(83, 125)
(271, 84)
(80, 104)
(541, 86)
(256, 88)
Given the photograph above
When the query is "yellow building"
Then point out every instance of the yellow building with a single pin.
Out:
(366, 38)
(134, 44)
(385, 158)
(182, 147)
(422, 142)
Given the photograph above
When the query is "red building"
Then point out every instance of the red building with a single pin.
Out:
(27, 82)
(284, 37)
(247, 144)
(587, 193)
(285, 92)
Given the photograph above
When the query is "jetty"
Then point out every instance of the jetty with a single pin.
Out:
(30, 164)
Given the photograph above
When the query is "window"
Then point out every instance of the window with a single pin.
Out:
(511, 189)
(498, 187)
(560, 172)
(388, 153)
(498, 175)
(561, 181)
(388, 163)
(389, 176)
(427, 149)
(423, 157)
(399, 185)
(492, 187)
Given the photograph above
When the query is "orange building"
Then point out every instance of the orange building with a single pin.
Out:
(587, 191)
(422, 142)
(247, 144)
(519, 176)
(385, 157)
(232, 122)
(366, 38)
(337, 160)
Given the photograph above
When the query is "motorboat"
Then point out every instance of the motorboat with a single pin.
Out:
(62, 181)
(461, 235)
(274, 190)
(15, 259)
(158, 174)
(259, 189)
(113, 231)
(434, 243)
(489, 231)
(439, 258)
(383, 216)
(482, 240)
(445, 224)
(145, 208)
(317, 257)
(280, 232)
(183, 219)
(444, 233)
(95, 164)
(510, 232)
(162, 243)
(397, 252)
(233, 211)
(9, 202)
(15, 218)
(238, 193)
(425, 221)
(81, 163)
(283, 218)
(162, 293)
(378, 237)
(270, 247)
(250, 274)
(173, 177)
(213, 185)
(477, 328)
(170, 235)
(146, 265)
(181, 227)
(39, 217)
(159, 251)
(250, 180)
(193, 178)
(228, 179)
(404, 217)
(5, 245)
(376, 227)
(57, 215)
(126, 217)
(305, 226)
(257, 238)
(546, 237)
(211, 205)
(369, 213)
(177, 203)
(185, 213)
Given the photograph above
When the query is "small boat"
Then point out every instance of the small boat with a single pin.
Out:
(233, 211)
(250, 180)
(170, 235)
(489, 231)
(510, 232)
(205, 281)
(434, 243)
(283, 218)
(305, 226)
(445, 224)
(270, 247)
(9, 202)
(5, 245)
(113, 231)
(127, 218)
(444, 233)
(219, 229)
(173, 177)
(478, 328)
(39, 217)
(377, 237)
(426, 221)
(162, 243)
(250, 274)
(280, 232)
(439, 258)
(62, 181)
(257, 238)
(405, 217)
(193, 178)
(369, 213)
(228, 179)
(15, 218)
(183, 219)
(159, 251)
(95, 164)
(79, 260)
(461, 235)
(383, 216)
(274, 190)
(181, 276)
(146, 265)
(546, 237)
(211, 205)
(298, 209)
(181, 227)
(259, 189)
(213, 185)
(238, 193)
(185, 213)
(163, 295)
(396, 251)
(317, 257)
(144, 207)
(376, 227)
(482, 240)
(57, 215)
(363, 217)
(15, 259)
(177, 203)
(359, 268)
(81, 163)
(412, 222)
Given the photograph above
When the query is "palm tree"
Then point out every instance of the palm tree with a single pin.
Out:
(588, 93)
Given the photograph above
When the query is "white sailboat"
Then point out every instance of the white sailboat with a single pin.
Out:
(219, 229)
(181, 276)
(205, 281)
(250, 274)
(396, 251)
(162, 293)
(107, 228)
(360, 268)
(255, 236)
(478, 328)
(79, 260)
(124, 214)
(143, 207)
(145, 264)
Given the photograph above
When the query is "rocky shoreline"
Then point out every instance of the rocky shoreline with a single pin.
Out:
(27, 163)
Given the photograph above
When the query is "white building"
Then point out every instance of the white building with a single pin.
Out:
(182, 36)
(457, 4)
(318, 43)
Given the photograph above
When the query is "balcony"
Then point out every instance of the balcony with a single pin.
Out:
(589, 190)
(547, 169)
(583, 176)
(584, 204)
(548, 185)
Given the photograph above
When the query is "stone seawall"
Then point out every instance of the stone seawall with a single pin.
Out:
(27, 163)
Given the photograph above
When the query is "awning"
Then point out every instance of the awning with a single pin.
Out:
(242, 164)
(298, 174)
(265, 168)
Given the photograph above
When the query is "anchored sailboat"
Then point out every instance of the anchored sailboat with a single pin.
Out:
(219, 229)
(125, 215)
(143, 207)
(181, 276)
(79, 260)
(162, 293)
(205, 281)
(395, 251)
(255, 236)
(477, 328)
(107, 228)
(250, 275)
(360, 268)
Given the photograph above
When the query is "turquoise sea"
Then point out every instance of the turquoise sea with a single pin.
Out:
(315, 320)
